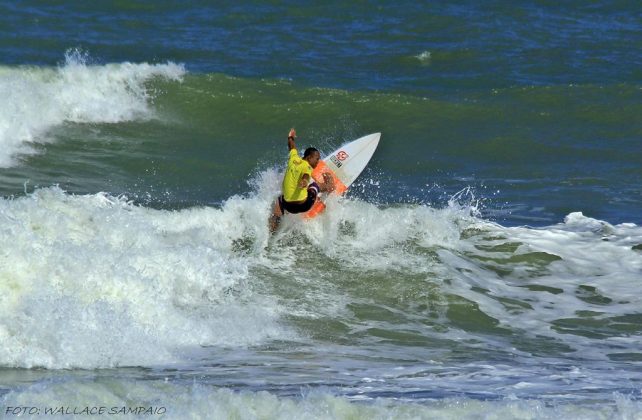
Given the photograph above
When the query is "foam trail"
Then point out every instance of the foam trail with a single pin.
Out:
(37, 99)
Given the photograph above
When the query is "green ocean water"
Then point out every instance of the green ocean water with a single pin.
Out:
(520, 147)
(485, 264)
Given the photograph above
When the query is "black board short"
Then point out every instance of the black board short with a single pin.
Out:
(313, 191)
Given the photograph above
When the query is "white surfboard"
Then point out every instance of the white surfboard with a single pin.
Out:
(344, 165)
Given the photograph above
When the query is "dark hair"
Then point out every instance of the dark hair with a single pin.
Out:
(309, 151)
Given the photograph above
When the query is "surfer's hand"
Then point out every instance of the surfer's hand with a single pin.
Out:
(292, 133)
(328, 182)
(303, 183)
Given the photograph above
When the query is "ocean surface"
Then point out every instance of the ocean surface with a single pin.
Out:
(486, 264)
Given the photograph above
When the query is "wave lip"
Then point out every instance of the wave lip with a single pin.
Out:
(37, 99)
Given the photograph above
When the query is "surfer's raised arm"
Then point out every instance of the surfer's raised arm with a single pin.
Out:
(291, 137)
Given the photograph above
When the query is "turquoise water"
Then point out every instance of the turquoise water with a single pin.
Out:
(487, 263)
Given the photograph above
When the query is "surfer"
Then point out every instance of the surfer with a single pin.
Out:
(299, 194)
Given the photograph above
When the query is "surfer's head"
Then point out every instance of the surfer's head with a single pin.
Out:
(312, 155)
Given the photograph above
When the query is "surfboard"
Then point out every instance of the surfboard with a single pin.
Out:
(344, 165)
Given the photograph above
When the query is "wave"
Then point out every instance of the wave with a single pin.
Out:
(97, 281)
(38, 99)
(445, 274)
(94, 281)
(175, 401)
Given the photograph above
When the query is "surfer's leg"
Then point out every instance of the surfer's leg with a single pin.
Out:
(277, 213)
(274, 223)
(281, 206)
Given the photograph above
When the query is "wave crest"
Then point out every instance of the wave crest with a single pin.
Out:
(38, 99)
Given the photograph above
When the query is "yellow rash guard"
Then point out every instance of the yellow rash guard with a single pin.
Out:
(297, 167)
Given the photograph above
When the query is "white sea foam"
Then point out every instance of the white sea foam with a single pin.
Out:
(582, 268)
(37, 99)
(179, 401)
(539, 282)
(94, 281)
(424, 57)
